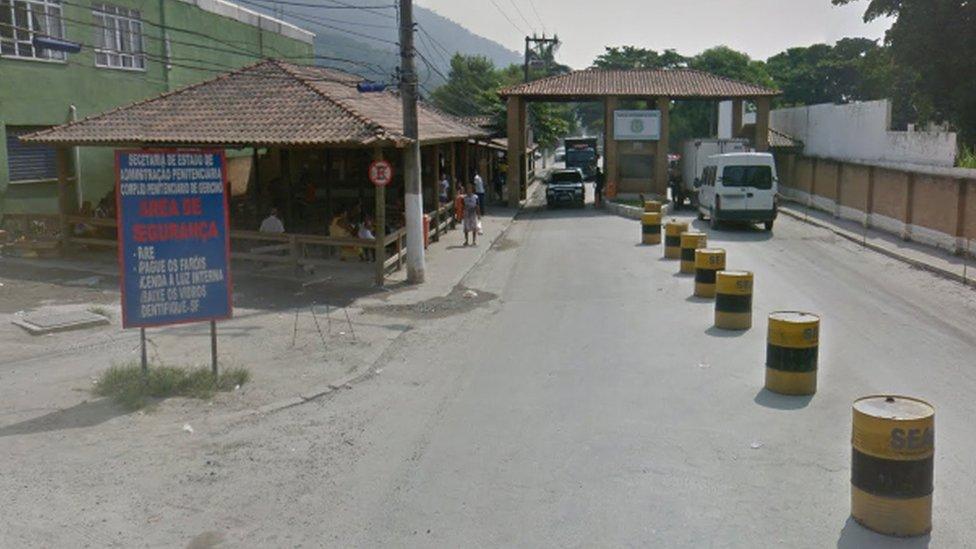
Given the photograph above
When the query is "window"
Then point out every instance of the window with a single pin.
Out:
(29, 162)
(22, 20)
(757, 177)
(118, 37)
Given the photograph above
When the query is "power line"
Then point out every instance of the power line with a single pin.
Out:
(520, 14)
(236, 50)
(329, 19)
(507, 18)
(536, 11)
(314, 21)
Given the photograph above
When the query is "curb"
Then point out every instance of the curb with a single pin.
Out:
(944, 273)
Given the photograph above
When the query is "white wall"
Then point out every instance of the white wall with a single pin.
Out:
(859, 132)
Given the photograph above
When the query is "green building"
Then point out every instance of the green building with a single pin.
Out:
(130, 50)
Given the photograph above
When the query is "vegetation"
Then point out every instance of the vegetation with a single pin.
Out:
(933, 70)
(967, 158)
(921, 65)
(126, 385)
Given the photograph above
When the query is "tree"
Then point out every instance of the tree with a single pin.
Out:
(931, 44)
(630, 57)
(854, 69)
(471, 87)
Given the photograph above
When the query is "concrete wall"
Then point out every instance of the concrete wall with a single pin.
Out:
(39, 93)
(860, 132)
(933, 206)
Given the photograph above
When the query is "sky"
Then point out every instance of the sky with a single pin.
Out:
(761, 28)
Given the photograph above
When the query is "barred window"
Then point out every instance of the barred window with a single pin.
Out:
(118, 37)
(23, 20)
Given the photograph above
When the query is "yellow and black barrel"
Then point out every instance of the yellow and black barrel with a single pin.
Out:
(792, 346)
(651, 228)
(893, 440)
(672, 238)
(652, 206)
(708, 262)
(733, 300)
(691, 241)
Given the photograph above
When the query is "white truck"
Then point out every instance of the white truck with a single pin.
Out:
(694, 157)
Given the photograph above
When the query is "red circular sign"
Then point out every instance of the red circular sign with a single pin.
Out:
(381, 173)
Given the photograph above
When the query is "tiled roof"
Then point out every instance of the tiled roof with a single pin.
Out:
(676, 83)
(777, 139)
(271, 103)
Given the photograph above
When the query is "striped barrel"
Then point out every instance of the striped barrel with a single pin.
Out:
(691, 241)
(893, 440)
(792, 347)
(733, 300)
(651, 228)
(652, 206)
(672, 238)
(708, 262)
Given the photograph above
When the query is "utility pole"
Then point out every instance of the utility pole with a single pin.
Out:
(413, 195)
(529, 41)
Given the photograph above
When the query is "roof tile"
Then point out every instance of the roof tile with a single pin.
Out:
(675, 83)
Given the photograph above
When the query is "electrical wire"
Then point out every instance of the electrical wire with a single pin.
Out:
(536, 12)
(520, 14)
(507, 18)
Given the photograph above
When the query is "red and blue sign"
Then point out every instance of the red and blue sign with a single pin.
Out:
(174, 240)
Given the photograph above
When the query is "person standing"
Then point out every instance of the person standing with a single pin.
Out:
(445, 187)
(479, 191)
(598, 181)
(471, 216)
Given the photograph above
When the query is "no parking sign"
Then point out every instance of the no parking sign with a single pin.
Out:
(381, 173)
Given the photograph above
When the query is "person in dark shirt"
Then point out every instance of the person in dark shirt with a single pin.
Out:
(598, 182)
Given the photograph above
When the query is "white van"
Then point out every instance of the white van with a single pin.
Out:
(738, 187)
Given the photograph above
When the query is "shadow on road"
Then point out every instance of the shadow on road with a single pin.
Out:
(733, 232)
(695, 299)
(542, 212)
(719, 332)
(855, 536)
(772, 400)
(86, 414)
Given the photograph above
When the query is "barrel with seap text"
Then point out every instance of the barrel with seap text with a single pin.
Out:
(792, 349)
(733, 300)
(651, 228)
(708, 262)
(672, 238)
(892, 457)
(691, 241)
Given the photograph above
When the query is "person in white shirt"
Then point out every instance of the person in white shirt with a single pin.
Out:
(445, 189)
(479, 191)
(272, 224)
(366, 233)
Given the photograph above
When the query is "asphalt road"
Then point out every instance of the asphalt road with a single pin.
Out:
(583, 400)
(594, 405)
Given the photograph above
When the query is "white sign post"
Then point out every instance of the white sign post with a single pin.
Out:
(637, 125)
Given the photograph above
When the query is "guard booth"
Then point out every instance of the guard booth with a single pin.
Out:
(636, 147)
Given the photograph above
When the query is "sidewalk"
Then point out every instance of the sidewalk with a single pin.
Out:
(300, 338)
(929, 258)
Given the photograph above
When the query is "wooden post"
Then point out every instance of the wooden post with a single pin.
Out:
(285, 167)
(516, 147)
(762, 124)
(453, 177)
(736, 117)
(63, 160)
(379, 225)
(661, 153)
(610, 148)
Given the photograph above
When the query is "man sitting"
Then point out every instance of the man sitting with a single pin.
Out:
(272, 224)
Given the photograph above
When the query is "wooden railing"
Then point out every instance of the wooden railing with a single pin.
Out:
(285, 249)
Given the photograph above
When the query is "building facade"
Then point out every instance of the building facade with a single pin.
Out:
(130, 50)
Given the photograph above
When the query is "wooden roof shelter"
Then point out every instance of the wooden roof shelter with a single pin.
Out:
(656, 86)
